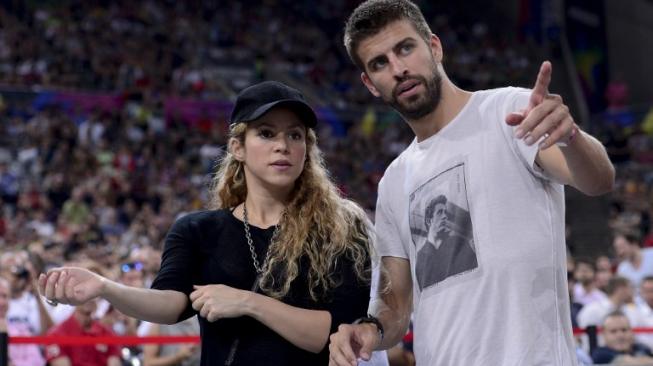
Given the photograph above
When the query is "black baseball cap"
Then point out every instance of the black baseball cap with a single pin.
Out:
(256, 100)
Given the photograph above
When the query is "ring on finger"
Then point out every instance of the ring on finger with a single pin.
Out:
(52, 302)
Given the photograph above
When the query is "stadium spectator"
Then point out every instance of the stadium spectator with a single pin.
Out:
(82, 323)
(585, 290)
(635, 263)
(620, 297)
(25, 306)
(19, 355)
(620, 346)
(173, 354)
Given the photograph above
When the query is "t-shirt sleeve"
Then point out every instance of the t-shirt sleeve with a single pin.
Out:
(387, 241)
(177, 260)
(514, 100)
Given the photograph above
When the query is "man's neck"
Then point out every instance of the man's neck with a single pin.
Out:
(636, 258)
(588, 287)
(17, 294)
(452, 102)
(617, 302)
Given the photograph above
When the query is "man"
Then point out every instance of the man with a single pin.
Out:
(585, 291)
(19, 354)
(619, 297)
(26, 313)
(81, 323)
(494, 153)
(25, 306)
(620, 346)
(645, 305)
(635, 263)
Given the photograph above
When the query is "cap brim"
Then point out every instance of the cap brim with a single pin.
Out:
(303, 111)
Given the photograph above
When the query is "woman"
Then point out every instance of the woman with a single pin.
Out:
(275, 267)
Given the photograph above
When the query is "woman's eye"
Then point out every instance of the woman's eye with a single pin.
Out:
(266, 134)
(296, 136)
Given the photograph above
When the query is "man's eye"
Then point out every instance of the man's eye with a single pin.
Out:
(376, 65)
(406, 48)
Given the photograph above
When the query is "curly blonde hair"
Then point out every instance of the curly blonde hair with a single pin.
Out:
(317, 223)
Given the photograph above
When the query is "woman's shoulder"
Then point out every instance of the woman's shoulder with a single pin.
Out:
(200, 218)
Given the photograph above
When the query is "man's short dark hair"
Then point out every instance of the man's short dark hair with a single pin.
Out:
(616, 314)
(430, 208)
(631, 236)
(586, 261)
(371, 16)
(616, 283)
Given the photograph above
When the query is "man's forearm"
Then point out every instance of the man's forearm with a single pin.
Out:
(591, 170)
(394, 301)
(395, 324)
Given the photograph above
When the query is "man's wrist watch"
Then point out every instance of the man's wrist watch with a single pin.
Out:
(371, 320)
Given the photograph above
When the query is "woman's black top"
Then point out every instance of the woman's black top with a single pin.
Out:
(209, 247)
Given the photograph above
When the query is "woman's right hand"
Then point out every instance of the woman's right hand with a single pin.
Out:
(70, 285)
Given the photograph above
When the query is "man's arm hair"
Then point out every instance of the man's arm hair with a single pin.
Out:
(393, 304)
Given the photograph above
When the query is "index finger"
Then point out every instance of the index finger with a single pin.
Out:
(340, 349)
(541, 88)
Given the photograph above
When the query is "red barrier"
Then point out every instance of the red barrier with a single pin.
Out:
(120, 340)
(133, 340)
(579, 331)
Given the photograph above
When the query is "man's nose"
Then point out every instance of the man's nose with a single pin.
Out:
(398, 67)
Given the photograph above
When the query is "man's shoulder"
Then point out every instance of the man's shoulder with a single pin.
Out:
(604, 355)
(592, 313)
(396, 168)
(648, 253)
(99, 329)
(508, 95)
(67, 327)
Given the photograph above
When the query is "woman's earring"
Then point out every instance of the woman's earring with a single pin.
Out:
(239, 175)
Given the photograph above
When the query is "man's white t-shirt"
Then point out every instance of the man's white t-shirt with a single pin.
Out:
(636, 275)
(595, 313)
(483, 229)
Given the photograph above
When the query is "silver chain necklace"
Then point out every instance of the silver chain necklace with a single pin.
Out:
(250, 243)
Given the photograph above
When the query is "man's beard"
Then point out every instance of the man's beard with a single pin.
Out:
(419, 105)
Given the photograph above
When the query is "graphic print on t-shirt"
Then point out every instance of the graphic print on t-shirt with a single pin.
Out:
(441, 228)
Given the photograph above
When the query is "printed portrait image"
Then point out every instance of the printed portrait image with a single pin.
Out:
(441, 228)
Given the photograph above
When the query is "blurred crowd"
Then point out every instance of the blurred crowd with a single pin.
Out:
(100, 189)
(210, 49)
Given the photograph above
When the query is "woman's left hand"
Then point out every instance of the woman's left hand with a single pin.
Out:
(219, 301)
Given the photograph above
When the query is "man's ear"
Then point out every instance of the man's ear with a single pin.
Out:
(370, 86)
(237, 149)
(436, 48)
